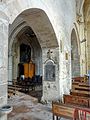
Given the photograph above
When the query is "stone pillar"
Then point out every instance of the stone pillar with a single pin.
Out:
(51, 88)
(3, 63)
(10, 67)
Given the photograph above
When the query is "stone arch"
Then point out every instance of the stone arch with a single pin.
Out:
(34, 7)
(43, 29)
(79, 5)
(75, 58)
(77, 35)
(13, 40)
(18, 8)
(36, 18)
(81, 8)
(12, 34)
(40, 24)
(15, 32)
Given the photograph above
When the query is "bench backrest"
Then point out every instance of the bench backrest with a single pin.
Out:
(76, 100)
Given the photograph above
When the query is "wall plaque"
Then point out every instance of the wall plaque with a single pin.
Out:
(49, 71)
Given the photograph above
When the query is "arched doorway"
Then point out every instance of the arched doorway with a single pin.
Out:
(26, 55)
(75, 58)
(32, 30)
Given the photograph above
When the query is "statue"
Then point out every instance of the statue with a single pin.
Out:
(49, 54)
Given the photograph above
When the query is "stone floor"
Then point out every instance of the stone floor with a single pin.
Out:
(26, 107)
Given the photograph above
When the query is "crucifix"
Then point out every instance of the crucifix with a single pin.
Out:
(49, 54)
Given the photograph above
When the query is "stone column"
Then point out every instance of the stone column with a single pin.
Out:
(3, 63)
(10, 67)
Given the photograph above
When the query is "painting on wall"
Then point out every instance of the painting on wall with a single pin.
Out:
(49, 71)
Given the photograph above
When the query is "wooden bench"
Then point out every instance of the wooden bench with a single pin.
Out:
(80, 89)
(77, 93)
(23, 85)
(13, 88)
(77, 100)
(82, 92)
(85, 86)
(80, 79)
(61, 110)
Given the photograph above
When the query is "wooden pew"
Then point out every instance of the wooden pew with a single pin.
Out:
(76, 100)
(80, 89)
(81, 79)
(61, 110)
(78, 79)
(80, 93)
(82, 85)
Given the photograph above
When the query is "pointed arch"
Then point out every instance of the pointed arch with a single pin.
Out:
(75, 57)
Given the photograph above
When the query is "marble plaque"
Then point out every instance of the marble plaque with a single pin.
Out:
(49, 71)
